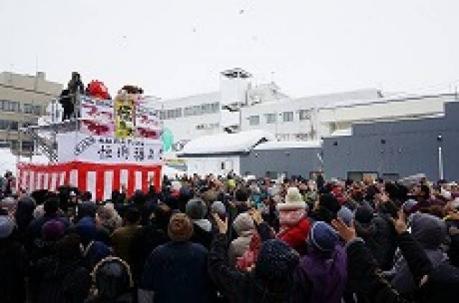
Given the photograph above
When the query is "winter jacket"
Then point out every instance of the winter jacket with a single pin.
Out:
(429, 231)
(202, 232)
(296, 236)
(239, 246)
(177, 272)
(61, 281)
(239, 286)
(384, 238)
(366, 279)
(320, 277)
(13, 267)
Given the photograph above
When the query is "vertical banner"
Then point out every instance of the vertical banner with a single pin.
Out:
(124, 116)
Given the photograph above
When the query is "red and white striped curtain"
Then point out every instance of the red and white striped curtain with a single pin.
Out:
(99, 179)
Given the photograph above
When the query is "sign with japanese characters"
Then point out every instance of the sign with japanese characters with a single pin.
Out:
(79, 146)
(124, 116)
(99, 118)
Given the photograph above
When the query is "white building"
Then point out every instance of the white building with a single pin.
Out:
(215, 112)
(221, 154)
(241, 106)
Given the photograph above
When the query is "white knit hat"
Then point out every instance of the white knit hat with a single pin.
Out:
(293, 200)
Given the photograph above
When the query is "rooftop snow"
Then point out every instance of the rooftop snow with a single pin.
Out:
(288, 144)
(226, 143)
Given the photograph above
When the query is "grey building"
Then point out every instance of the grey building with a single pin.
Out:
(397, 149)
(272, 159)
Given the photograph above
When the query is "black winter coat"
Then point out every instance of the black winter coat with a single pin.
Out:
(61, 281)
(239, 286)
(366, 279)
(13, 266)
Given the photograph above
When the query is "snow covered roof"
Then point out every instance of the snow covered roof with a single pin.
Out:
(226, 143)
(288, 144)
(341, 132)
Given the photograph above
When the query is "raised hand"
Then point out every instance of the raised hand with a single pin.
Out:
(256, 216)
(347, 233)
(221, 225)
(400, 223)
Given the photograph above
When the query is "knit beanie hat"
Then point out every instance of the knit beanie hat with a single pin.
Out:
(346, 215)
(293, 200)
(219, 208)
(242, 223)
(52, 230)
(180, 228)
(196, 209)
(231, 183)
(323, 237)
(86, 229)
(276, 261)
(6, 227)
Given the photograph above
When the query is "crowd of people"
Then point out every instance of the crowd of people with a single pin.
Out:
(229, 239)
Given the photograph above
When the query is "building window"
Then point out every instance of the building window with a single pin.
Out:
(202, 109)
(304, 114)
(9, 106)
(271, 118)
(254, 120)
(37, 110)
(27, 145)
(9, 125)
(283, 137)
(287, 116)
(27, 108)
(173, 113)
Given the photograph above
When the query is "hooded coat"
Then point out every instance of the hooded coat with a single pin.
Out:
(321, 277)
(430, 232)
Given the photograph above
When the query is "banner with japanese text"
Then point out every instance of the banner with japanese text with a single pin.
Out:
(82, 147)
(98, 118)
(124, 116)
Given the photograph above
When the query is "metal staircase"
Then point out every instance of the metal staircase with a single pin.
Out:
(46, 146)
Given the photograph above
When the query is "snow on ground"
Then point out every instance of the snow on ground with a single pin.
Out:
(8, 161)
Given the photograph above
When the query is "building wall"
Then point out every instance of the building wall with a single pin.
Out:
(287, 119)
(289, 161)
(23, 99)
(190, 117)
(397, 149)
(217, 165)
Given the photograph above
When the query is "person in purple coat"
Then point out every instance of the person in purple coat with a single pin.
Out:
(322, 273)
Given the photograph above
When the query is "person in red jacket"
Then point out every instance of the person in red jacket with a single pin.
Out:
(294, 224)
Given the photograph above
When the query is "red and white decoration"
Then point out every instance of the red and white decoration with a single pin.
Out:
(99, 179)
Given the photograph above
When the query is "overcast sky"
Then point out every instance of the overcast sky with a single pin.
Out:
(175, 48)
